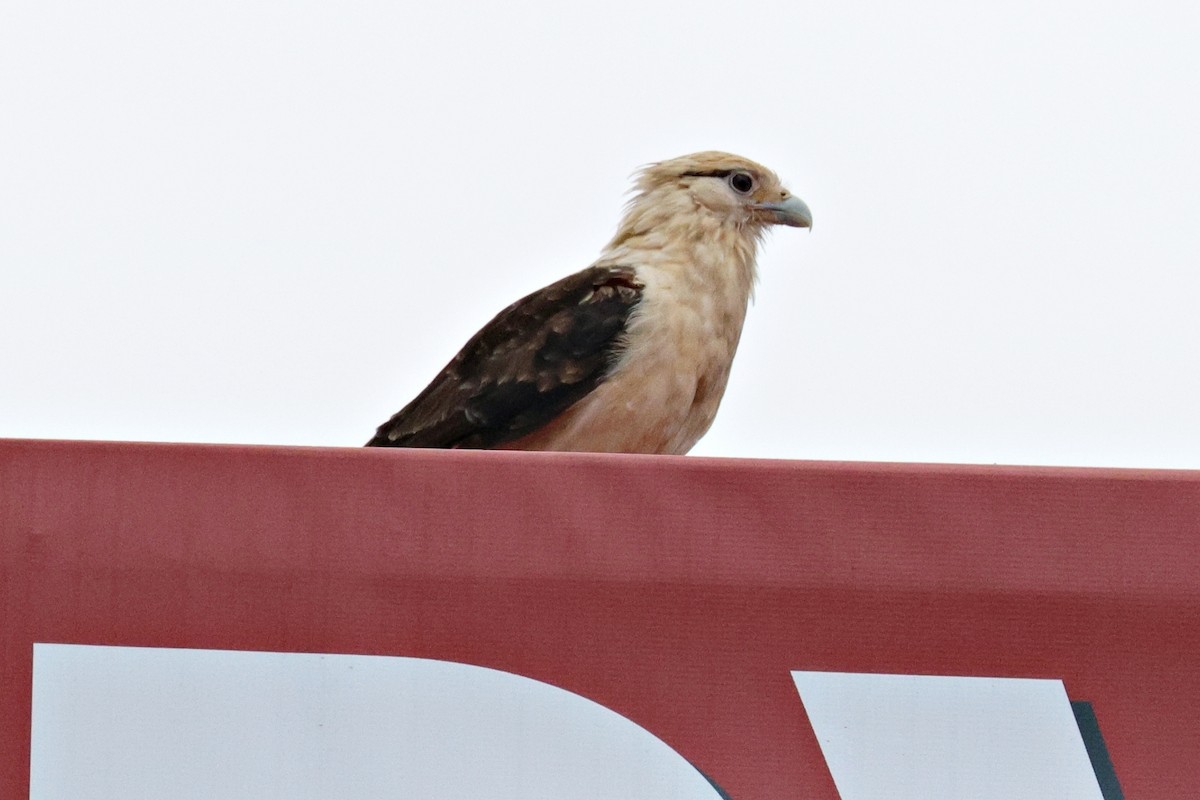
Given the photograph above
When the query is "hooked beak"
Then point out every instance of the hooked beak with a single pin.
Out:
(791, 211)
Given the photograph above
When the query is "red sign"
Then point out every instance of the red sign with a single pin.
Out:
(684, 594)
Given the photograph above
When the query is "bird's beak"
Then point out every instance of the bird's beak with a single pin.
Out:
(791, 211)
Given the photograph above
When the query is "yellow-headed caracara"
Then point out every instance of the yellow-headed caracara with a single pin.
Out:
(632, 354)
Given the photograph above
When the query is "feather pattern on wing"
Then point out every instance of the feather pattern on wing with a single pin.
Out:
(530, 363)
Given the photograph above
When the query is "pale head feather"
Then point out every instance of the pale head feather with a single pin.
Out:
(682, 193)
(685, 215)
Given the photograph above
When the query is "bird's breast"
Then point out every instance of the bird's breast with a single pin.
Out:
(663, 392)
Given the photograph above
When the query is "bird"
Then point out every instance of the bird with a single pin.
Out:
(631, 354)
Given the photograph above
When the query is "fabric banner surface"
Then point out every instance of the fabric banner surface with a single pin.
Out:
(694, 627)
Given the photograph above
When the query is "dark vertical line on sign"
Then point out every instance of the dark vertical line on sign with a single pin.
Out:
(1089, 729)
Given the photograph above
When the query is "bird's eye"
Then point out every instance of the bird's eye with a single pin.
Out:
(742, 182)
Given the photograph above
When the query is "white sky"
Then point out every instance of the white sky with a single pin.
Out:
(273, 223)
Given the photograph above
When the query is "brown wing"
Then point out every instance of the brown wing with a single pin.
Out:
(525, 367)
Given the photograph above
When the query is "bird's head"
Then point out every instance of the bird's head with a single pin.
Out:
(711, 188)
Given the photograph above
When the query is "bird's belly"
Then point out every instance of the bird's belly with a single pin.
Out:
(652, 404)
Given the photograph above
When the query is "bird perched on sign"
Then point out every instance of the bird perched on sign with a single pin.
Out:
(632, 354)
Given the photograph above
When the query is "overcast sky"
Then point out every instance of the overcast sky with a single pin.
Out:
(273, 223)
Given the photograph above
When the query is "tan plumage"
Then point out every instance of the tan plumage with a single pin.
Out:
(632, 354)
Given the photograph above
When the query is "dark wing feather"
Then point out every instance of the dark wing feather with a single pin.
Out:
(529, 364)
